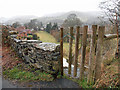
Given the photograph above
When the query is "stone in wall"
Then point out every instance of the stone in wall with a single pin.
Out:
(48, 46)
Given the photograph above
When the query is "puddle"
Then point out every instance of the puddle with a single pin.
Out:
(65, 64)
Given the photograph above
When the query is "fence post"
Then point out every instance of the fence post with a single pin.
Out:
(83, 51)
(92, 55)
(98, 60)
(76, 51)
(61, 50)
(70, 49)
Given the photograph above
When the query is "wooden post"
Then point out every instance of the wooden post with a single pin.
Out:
(92, 55)
(83, 51)
(98, 60)
(70, 49)
(81, 31)
(61, 50)
(76, 51)
(117, 33)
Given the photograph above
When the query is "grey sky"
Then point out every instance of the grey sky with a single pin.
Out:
(9, 8)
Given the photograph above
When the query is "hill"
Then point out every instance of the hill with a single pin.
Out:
(85, 17)
(21, 19)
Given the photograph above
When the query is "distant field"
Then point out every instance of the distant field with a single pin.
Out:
(46, 37)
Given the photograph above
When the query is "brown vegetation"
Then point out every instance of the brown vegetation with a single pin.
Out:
(109, 76)
(9, 58)
(55, 34)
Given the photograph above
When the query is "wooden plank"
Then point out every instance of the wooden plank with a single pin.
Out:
(110, 36)
(98, 61)
(61, 50)
(70, 50)
(76, 51)
(83, 51)
(92, 55)
(106, 36)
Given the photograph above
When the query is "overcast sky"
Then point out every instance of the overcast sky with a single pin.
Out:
(10, 8)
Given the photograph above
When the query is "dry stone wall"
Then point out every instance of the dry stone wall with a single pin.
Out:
(45, 56)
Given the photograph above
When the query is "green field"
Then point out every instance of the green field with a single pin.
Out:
(46, 37)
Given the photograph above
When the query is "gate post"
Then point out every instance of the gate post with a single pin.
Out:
(61, 51)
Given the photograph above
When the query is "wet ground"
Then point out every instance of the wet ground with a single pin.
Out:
(65, 64)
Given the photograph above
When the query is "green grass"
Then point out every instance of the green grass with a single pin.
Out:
(46, 37)
(24, 75)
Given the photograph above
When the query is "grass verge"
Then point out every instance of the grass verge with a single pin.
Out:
(28, 74)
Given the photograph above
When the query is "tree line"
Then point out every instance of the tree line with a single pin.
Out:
(37, 25)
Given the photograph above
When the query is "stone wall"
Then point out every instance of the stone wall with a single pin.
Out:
(45, 56)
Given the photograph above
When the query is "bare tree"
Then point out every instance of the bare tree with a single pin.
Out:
(110, 8)
(71, 21)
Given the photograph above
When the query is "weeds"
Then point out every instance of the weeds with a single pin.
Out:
(83, 83)
(110, 76)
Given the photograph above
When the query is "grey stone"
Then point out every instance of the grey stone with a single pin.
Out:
(48, 46)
